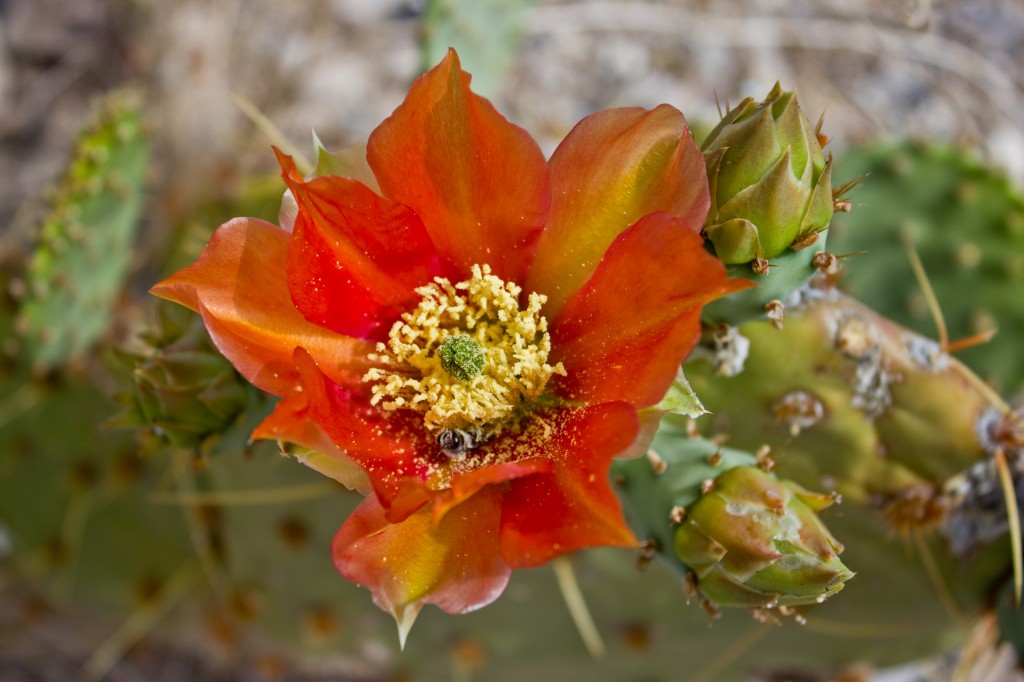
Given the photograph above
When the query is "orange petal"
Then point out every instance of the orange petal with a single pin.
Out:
(614, 168)
(574, 507)
(479, 183)
(624, 334)
(455, 564)
(239, 285)
(355, 259)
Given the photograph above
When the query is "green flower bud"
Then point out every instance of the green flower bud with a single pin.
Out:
(184, 390)
(771, 186)
(755, 541)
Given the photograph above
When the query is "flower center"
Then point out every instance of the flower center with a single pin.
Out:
(466, 357)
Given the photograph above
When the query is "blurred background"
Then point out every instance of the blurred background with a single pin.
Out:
(125, 555)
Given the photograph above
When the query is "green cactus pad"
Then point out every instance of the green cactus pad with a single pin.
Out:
(787, 272)
(858, 404)
(84, 246)
(966, 221)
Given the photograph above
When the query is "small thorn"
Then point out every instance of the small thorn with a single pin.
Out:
(805, 240)
(971, 341)
(1013, 516)
(822, 138)
(657, 463)
(839, 192)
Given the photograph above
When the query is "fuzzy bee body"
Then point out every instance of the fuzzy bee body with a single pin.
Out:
(455, 443)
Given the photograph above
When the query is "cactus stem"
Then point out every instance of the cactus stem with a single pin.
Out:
(573, 596)
(1012, 515)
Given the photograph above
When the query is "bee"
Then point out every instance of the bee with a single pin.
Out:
(455, 443)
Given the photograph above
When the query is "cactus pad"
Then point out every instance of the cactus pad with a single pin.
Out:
(84, 245)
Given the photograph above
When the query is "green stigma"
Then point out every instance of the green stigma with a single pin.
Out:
(461, 357)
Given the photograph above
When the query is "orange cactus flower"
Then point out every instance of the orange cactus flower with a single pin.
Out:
(481, 335)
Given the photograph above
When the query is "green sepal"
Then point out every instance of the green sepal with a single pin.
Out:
(736, 241)
(347, 162)
(680, 399)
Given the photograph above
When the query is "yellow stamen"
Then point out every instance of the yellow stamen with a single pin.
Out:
(515, 344)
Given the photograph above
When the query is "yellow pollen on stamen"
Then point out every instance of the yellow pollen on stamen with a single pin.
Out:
(515, 344)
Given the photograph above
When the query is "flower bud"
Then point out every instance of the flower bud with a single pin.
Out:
(755, 541)
(184, 390)
(771, 185)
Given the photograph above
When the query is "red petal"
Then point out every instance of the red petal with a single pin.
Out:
(392, 447)
(614, 168)
(456, 564)
(466, 485)
(479, 183)
(355, 258)
(624, 334)
(239, 284)
(292, 422)
(574, 507)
